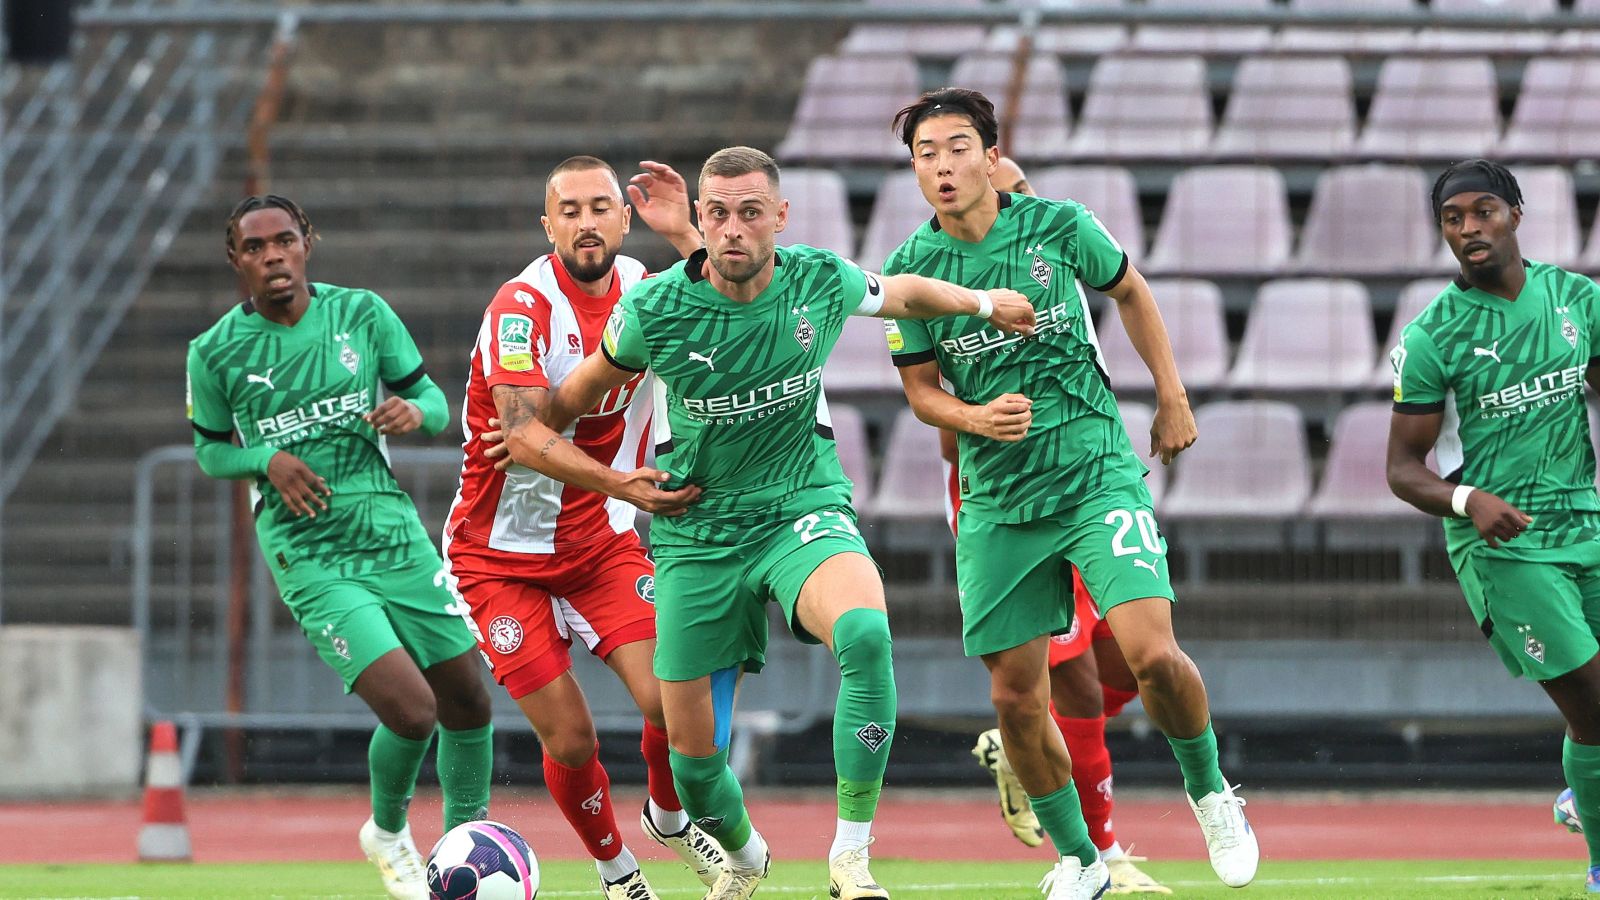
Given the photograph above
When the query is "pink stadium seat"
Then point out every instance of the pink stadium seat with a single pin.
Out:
(860, 362)
(1433, 108)
(1307, 334)
(1192, 312)
(896, 212)
(913, 38)
(1289, 107)
(846, 107)
(1136, 419)
(850, 436)
(1414, 297)
(1041, 131)
(1499, 40)
(1250, 462)
(1354, 485)
(1231, 40)
(1063, 39)
(1557, 115)
(1549, 231)
(819, 211)
(1149, 107)
(1109, 191)
(1334, 40)
(1369, 220)
(1224, 220)
(911, 486)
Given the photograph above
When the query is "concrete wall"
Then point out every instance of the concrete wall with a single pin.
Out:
(70, 722)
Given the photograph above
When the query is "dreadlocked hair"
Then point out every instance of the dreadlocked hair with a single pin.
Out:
(268, 201)
(1505, 184)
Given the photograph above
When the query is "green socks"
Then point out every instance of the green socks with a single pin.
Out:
(465, 763)
(864, 714)
(711, 796)
(1197, 758)
(1581, 763)
(1061, 816)
(393, 762)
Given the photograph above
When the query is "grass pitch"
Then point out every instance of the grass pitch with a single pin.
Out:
(807, 880)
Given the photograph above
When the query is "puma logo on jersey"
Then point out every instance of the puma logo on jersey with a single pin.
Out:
(1492, 351)
(261, 379)
(593, 803)
(1148, 565)
(697, 356)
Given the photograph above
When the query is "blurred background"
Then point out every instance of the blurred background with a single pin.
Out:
(1266, 163)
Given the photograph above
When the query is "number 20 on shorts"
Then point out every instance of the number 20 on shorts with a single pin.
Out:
(1125, 520)
(812, 525)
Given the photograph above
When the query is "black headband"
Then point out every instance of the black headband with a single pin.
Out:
(1477, 181)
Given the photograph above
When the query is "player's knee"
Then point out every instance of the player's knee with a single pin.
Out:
(571, 747)
(1017, 702)
(862, 643)
(414, 718)
(1158, 664)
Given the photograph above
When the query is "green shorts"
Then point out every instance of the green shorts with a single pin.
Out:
(1015, 580)
(1539, 607)
(711, 600)
(353, 620)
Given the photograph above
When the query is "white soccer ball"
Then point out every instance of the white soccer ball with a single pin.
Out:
(484, 861)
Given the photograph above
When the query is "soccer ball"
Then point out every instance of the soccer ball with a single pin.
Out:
(1567, 812)
(482, 860)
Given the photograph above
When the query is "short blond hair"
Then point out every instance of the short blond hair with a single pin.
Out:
(731, 162)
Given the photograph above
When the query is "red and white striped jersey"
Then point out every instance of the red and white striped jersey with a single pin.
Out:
(535, 332)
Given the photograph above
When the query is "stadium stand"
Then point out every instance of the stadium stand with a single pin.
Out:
(1145, 107)
(1372, 40)
(1432, 108)
(1557, 115)
(1294, 107)
(819, 210)
(1224, 220)
(1108, 190)
(1042, 127)
(1066, 40)
(1232, 40)
(1192, 311)
(1368, 220)
(844, 108)
(1306, 334)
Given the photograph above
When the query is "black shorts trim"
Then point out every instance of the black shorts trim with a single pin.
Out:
(417, 375)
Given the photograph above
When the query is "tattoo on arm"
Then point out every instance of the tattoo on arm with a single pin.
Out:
(519, 405)
(549, 445)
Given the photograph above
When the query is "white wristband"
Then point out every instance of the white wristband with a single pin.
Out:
(985, 304)
(1458, 500)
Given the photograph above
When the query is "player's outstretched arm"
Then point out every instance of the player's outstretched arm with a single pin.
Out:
(583, 390)
(661, 197)
(1411, 436)
(908, 296)
(1005, 418)
(1173, 429)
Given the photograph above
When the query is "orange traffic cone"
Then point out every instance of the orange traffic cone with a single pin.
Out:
(165, 833)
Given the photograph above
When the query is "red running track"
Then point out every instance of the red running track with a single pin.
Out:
(286, 824)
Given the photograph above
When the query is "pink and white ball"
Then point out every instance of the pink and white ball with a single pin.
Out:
(482, 861)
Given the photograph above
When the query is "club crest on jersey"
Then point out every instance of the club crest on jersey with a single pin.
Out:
(645, 587)
(1040, 271)
(348, 358)
(505, 634)
(804, 333)
(1568, 330)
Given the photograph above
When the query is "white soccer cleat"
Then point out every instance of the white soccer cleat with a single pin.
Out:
(1072, 880)
(738, 884)
(1128, 878)
(1014, 805)
(696, 848)
(632, 886)
(1229, 840)
(397, 859)
(849, 879)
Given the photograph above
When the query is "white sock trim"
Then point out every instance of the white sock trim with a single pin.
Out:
(618, 867)
(752, 855)
(670, 821)
(850, 836)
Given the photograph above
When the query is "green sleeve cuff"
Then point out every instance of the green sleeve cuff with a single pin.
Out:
(428, 398)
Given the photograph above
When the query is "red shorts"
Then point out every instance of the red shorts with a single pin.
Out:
(528, 607)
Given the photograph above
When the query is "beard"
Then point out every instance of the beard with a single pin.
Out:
(740, 272)
(588, 271)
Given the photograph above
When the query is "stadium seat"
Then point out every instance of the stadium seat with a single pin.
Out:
(819, 210)
(1109, 191)
(1289, 108)
(1136, 419)
(1433, 108)
(1557, 115)
(1145, 107)
(1219, 220)
(1581, 39)
(1347, 40)
(1192, 311)
(896, 212)
(1498, 40)
(909, 487)
(860, 362)
(1549, 231)
(1369, 220)
(1306, 334)
(1414, 297)
(846, 107)
(1231, 40)
(912, 38)
(1062, 39)
(1354, 485)
(1041, 131)
(850, 436)
(1249, 463)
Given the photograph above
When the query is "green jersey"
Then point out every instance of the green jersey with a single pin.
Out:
(1508, 377)
(1047, 250)
(739, 408)
(304, 389)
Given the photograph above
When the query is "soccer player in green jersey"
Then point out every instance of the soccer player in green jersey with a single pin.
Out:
(737, 336)
(1490, 376)
(1048, 476)
(297, 371)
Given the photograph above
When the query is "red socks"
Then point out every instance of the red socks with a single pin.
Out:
(1115, 699)
(584, 797)
(658, 767)
(1091, 773)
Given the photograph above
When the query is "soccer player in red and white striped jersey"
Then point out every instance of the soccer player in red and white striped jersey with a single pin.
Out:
(540, 562)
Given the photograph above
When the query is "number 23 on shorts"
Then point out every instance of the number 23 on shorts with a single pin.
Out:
(820, 525)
